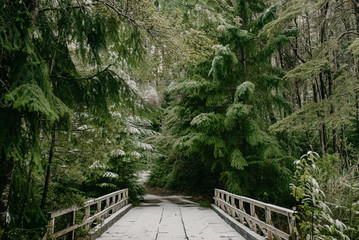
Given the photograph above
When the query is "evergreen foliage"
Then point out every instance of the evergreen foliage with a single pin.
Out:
(64, 63)
(219, 112)
(219, 93)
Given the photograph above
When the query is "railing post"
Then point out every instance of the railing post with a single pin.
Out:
(51, 229)
(99, 206)
(73, 223)
(123, 197)
(107, 205)
(253, 214)
(126, 193)
(241, 218)
(269, 222)
(215, 197)
(233, 201)
(221, 196)
(227, 208)
(87, 215)
(291, 222)
(120, 198)
(233, 212)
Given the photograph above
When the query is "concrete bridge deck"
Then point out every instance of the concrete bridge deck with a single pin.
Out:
(170, 217)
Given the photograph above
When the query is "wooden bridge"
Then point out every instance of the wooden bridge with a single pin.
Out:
(235, 217)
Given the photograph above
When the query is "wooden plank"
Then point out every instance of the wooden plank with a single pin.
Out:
(66, 230)
(62, 212)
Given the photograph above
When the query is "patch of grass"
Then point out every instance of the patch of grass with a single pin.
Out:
(204, 203)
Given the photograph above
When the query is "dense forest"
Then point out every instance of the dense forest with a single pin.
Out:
(260, 98)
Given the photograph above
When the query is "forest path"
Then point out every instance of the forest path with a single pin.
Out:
(165, 217)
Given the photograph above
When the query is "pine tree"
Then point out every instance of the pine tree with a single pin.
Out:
(219, 113)
(61, 57)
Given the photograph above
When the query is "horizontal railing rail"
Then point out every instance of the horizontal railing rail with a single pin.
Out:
(105, 206)
(246, 211)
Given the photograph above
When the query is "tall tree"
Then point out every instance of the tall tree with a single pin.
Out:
(58, 57)
(219, 112)
(323, 73)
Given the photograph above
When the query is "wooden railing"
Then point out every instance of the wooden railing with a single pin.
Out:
(105, 206)
(257, 215)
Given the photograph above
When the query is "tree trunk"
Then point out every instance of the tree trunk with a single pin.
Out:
(48, 172)
(34, 9)
(332, 111)
(26, 197)
(298, 94)
(357, 111)
(321, 138)
(7, 166)
(309, 141)
(322, 89)
(10, 122)
(356, 12)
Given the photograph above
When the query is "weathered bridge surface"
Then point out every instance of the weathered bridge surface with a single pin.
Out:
(174, 217)
(170, 217)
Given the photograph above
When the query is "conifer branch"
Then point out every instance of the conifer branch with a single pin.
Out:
(190, 5)
(97, 74)
(89, 77)
(80, 6)
(295, 50)
(131, 20)
(348, 32)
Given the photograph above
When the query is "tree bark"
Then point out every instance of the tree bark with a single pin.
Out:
(357, 111)
(322, 89)
(332, 111)
(10, 122)
(26, 197)
(321, 138)
(34, 9)
(7, 166)
(48, 171)
(356, 13)
(298, 94)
